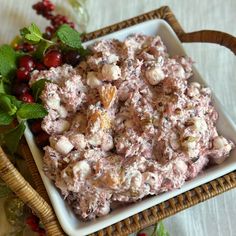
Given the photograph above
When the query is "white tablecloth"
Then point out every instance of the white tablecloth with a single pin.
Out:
(214, 217)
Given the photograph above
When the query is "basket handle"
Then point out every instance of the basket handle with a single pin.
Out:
(28, 195)
(204, 36)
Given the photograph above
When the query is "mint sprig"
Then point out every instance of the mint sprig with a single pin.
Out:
(65, 37)
(41, 49)
(32, 34)
(8, 61)
(69, 36)
(11, 108)
(8, 65)
(6, 105)
(5, 119)
(5, 84)
(31, 111)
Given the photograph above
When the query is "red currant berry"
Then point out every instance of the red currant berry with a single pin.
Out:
(48, 6)
(36, 127)
(18, 47)
(32, 221)
(27, 98)
(27, 62)
(40, 66)
(49, 30)
(27, 47)
(22, 74)
(142, 234)
(42, 139)
(20, 88)
(71, 57)
(52, 58)
(41, 232)
(71, 24)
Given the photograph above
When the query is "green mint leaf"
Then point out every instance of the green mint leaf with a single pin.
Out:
(4, 86)
(5, 119)
(69, 36)
(31, 111)
(32, 38)
(33, 28)
(159, 230)
(24, 31)
(6, 105)
(12, 137)
(41, 49)
(8, 61)
(14, 101)
(32, 34)
(38, 87)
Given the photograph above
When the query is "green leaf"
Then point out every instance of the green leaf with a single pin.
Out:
(12, 137)
(3, 86)
(38, 87)
(32, 34)
(8, 61)
(69, 36)
(159, 230)
(33, 28)
(41, 49)
(9, 104)
(31, 111)
(6, 105)
(5, 119)
(15, 101)
(24, 31)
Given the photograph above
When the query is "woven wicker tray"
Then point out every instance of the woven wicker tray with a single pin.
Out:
(38, 199)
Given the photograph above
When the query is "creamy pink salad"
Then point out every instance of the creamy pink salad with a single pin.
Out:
(126, 123)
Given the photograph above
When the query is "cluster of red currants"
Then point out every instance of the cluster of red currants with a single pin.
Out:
(33, 223)
(46, 9)
(26, 65)
(25, 47)
(52, 58)
(21, 88)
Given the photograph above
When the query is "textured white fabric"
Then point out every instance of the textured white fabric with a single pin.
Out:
(214, 217)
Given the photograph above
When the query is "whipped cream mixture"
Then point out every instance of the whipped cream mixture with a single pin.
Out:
(126, 123)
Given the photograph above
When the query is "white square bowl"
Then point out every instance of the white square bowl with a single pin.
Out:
(74, 227)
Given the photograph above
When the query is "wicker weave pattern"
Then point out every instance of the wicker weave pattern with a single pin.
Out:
(207, 36)
(39, 201)
(172, 206)
(24, 191)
